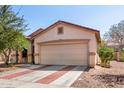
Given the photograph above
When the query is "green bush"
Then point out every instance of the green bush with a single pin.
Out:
(105, 54)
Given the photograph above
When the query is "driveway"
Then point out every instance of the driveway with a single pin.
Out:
(41, 76)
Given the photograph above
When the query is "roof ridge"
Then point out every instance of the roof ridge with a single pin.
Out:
(77, 25)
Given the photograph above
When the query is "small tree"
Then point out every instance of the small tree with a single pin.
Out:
(105, 54)
(116, 34)
(11, 32)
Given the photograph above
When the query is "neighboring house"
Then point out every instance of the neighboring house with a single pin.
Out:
(115, 45)
(64, 43)
(111, 44)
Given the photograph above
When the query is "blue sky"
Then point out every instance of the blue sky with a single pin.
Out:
(97, 17)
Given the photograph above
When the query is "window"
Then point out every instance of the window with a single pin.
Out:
(60, 30)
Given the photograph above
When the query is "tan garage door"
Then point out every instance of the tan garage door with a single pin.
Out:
(64, 54)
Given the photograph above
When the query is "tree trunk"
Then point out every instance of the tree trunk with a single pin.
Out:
(7, 60)
(7, 56)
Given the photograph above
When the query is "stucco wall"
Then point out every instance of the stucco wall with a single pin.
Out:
(70, 32)
(29, 53)
(1, 59)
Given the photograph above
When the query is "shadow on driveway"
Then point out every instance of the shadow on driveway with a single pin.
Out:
(51, 67)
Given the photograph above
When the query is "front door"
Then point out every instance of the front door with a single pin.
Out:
(24, 56)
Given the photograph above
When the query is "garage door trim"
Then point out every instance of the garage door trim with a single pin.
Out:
(64, 40)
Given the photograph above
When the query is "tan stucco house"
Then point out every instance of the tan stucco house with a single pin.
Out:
(63, 43)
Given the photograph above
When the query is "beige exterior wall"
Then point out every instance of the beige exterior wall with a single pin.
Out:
(1, 59)
(13, 56)
(70, 32)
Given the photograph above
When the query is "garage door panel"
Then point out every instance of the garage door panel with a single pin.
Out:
(69, 54)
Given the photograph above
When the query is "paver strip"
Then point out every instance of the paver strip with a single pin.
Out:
(50, 78)
(70, 77)
(22, 73)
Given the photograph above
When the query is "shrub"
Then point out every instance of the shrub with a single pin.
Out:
(105, 54)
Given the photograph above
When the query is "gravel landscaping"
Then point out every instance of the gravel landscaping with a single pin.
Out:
(99, 77)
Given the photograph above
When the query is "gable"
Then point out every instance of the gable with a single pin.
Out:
(70, 32)
(97, 34)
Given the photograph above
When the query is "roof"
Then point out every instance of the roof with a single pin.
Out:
(84, 27)
(35, 33)
(39, 31)
(32, 35)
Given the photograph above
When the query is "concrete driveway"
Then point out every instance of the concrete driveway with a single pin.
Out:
(41, 76)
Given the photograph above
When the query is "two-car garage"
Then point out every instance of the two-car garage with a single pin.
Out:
(64, 43)
(64, 53)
